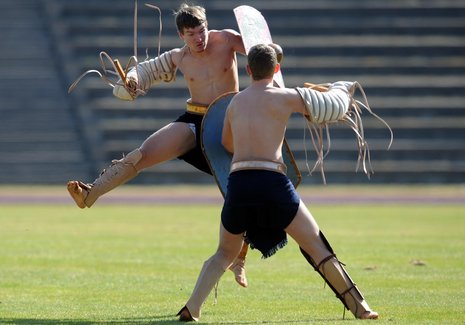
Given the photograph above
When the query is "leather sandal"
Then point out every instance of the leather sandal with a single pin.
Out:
(185, 315)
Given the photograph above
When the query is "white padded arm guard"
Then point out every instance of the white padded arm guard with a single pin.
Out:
(329, 106)
(337, 104)
(146, 75)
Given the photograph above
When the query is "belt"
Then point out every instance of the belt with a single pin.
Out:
(196, 108)
(259, 164)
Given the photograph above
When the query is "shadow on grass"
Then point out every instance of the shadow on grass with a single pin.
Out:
(168, 319)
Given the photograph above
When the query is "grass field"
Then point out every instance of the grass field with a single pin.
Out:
(137, 264)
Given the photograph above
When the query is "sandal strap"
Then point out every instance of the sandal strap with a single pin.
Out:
(183, 317)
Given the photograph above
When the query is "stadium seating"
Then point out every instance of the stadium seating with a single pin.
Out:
(408, 55)
(40, 140)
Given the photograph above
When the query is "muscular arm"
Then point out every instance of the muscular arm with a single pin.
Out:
(227, 137)
(291, 101)
(236, 40)
(147, 74)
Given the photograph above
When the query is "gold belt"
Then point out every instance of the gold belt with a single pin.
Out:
(196, 108)
(259, 164)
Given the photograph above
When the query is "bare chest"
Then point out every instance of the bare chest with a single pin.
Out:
(208, 69)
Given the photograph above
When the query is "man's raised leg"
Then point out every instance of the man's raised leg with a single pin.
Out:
(169, 142)
(119, 172)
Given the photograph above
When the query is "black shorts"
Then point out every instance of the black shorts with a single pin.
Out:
(195, 157)
(261, 203)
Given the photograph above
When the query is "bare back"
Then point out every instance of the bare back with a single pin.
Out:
(256, 120)
(212, 72)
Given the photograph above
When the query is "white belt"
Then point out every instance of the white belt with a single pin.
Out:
(259, 164)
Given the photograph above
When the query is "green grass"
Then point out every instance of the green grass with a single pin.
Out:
(136, 264)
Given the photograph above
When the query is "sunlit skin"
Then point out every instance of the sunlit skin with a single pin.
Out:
(196, 38)
(254, 129)
(209, 62)
(209, 65)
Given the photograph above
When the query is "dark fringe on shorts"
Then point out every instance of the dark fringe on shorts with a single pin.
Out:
(266, 247)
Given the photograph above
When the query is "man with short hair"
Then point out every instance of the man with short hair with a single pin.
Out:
(261, 202)
(209, 65)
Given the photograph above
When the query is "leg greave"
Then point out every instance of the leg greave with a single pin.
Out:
(337, 278)
(119, 172)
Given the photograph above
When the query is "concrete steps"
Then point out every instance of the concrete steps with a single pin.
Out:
(409, 57)
(39, 143)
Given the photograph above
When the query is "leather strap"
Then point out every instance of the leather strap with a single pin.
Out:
(259, 164)
(196, 108)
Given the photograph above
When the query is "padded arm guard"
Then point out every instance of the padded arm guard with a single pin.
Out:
(335, 103)
(329, 106)
(145, 75)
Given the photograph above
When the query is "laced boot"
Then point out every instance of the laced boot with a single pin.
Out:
(118, 173)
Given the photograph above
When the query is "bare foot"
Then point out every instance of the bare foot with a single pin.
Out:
(78, 192)
(369, 314)
(238, 268)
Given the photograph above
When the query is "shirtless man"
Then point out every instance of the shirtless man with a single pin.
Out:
(261, 201)
(209, 65)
